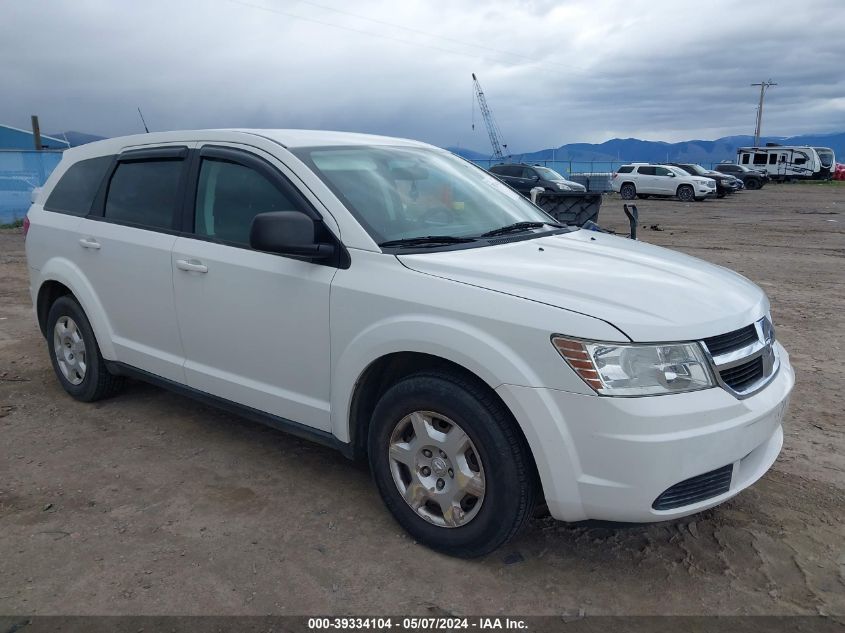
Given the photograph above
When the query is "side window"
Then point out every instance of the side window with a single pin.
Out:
(661, 171)
(646, 170)
(626, 169)
(800, 158)
(512, 170)
(773, 159)
(528, 173)
(75, 191)
(745, 158)
(497, 169)
(229, 196)
(760, 159)
(145, 193)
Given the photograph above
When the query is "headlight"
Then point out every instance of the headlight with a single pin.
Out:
(614, 369)
(701, 181)
(563, 187)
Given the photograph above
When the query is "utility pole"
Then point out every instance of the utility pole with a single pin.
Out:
(36, 132)
(764, 85)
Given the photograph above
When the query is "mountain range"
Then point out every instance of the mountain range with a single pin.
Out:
(633, 149)
(621, 149)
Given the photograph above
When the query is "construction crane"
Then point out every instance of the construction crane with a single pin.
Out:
(493, 131)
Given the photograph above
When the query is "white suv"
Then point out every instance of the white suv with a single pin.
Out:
(643, 180)
(393, 301)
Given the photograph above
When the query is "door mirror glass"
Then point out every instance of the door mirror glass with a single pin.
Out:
(287, 233)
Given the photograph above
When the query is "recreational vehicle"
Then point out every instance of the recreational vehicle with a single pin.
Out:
(788, 162)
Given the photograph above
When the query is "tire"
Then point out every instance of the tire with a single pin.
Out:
(643, 196)
(78, 364)
(492, 457)
(628, 191)
(753, 183)
(686, 193)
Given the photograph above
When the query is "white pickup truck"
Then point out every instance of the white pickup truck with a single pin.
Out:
(393, 301)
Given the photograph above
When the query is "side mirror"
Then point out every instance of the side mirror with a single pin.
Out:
(671, 174)
(287, 233)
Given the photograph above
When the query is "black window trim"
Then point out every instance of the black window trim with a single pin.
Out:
(179, 153)
(250, 160)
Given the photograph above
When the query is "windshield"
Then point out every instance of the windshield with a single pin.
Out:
(549, 174)
(698, 169)
(825, 156)
(398, 193)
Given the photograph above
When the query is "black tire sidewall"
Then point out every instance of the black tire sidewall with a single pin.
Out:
(683, 188)
(505, 487)
(86, 390)
(626, 187)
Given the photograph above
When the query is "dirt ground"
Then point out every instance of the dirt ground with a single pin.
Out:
(149, 503)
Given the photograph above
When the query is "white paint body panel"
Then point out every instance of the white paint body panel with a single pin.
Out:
(292, 338)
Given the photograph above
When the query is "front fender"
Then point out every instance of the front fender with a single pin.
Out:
(69, 274)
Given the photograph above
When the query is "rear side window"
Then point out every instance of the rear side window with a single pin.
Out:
(646, 170)
(229, 196)
(74, 193)
(497, 169)
(145, 193)
(661, 171)
(626, 169)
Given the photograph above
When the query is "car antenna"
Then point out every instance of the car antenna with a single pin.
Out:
(146, 129)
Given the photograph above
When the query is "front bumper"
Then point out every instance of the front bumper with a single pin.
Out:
(610, 458)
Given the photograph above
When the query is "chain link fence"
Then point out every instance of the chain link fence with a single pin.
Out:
(20, 172)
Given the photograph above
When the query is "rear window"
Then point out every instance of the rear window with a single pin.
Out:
(75, 191)
(145, 193)
(625, 169)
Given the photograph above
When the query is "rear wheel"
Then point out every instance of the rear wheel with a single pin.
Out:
(686, 193)
(450, 464)
(75, 355)
(628, 191)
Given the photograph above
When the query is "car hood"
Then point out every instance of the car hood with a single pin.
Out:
(647, 292)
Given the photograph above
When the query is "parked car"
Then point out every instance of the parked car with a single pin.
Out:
(725, 184)
(388, 299)
(751, 178)
(643, 180)
(524, 178)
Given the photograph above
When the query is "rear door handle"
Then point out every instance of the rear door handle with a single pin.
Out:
(192, 266)
(89, 242)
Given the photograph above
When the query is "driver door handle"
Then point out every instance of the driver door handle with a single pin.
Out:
(89, 242)
(192, 265)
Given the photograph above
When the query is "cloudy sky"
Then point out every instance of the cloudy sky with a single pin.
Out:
(554, 72)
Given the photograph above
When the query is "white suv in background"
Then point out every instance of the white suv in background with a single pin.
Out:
(395, 302)
(643, 180)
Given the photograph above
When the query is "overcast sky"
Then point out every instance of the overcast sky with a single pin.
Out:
(554, 72)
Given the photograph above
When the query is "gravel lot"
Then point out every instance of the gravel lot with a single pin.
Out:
(149, 503)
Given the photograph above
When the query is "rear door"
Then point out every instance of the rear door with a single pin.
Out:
(645, 180)
(124, 246)
(255, 325)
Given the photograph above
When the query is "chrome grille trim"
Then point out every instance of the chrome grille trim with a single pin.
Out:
(763, 348)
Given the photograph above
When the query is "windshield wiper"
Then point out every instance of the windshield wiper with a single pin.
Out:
(427, 240)
(519, 226)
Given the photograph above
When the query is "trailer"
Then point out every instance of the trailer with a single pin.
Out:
(789, 162)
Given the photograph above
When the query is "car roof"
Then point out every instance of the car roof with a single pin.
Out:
(289, 138)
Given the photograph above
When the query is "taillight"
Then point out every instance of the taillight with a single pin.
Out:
(25, 225)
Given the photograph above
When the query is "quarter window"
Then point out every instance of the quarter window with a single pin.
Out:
(75, 191)
(626, 169)
(145, 193)
(229, 196)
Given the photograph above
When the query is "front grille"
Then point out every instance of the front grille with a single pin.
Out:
(695, 489)
(732, 340)
(744, 375)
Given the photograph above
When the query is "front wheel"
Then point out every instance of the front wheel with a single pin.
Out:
(753, 183)
(450, 464)
(686, 193)
(628, 191)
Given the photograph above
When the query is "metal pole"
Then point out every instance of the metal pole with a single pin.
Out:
(36, 132)
(764, 85)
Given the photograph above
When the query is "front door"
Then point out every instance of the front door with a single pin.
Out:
(254, 325)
